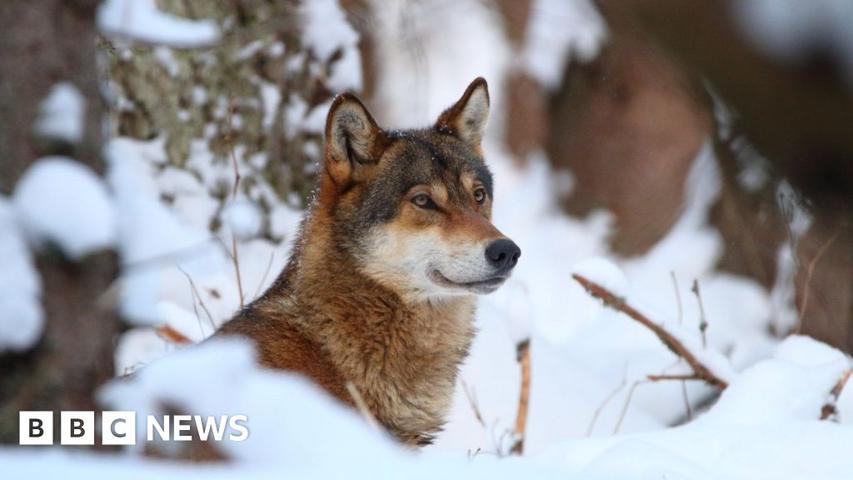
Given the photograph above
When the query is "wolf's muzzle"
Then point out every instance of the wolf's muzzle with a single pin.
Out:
(503, 254)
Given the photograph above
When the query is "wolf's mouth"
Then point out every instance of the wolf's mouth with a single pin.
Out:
(487, 285)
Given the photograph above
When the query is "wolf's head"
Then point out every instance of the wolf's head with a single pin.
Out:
(413, 207)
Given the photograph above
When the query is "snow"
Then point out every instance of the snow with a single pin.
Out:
(62, 202)
(143, 21)
(325, 30)
(792, 385)
(790, 31)
(294, 428)
(784, 292)
(577, 345)
(416, 83)
(592, 414)
(604, 273)
(151, 237)
(764, 426)
(243, 218)
(21, 315)
(61, 114)
(561, 31)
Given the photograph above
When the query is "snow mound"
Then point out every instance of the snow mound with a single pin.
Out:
(61, 114)
(765, 425)
(792, 385)
(141, 20)
(294, 429)
(21, 315)
(61, 201)
(220, 377)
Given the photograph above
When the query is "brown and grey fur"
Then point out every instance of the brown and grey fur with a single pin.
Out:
(379, 290)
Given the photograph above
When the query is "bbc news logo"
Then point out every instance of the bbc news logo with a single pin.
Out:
(119, 428)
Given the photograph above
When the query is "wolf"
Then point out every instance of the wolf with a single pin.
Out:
(378, 296)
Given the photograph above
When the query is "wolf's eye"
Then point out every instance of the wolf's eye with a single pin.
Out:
(480, 195)
(422, 200)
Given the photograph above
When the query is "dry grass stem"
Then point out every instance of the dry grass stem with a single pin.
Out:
(703, 321)
(236, 187)
(809, 271)
(604, 403)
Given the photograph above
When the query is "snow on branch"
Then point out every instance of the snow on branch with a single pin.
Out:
(142, 21)
(674, 342)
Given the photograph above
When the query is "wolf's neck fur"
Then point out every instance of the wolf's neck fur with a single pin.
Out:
(402, 357)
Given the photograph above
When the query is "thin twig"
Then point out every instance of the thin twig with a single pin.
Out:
(236, 261)
(683, 378)
(681, 321)
(809, 271)
(677, 297)
(703, 321)
(236, 187)
(605, 402)
(472, 401)
(266, 272)
(626, 405)
(829, 411)
(667, 338)
(200, 300)
(687, 406)
(523, 358)
(362, 407)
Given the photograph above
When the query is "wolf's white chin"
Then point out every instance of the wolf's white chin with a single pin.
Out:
(481, 287)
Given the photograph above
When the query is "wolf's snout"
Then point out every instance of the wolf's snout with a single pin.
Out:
(503, 254)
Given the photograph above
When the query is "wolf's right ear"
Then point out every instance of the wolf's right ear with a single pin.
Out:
(467, 118)
(354, 141)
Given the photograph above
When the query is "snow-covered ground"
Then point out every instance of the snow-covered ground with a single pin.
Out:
(592, 412)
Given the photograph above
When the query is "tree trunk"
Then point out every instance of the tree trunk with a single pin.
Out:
(45, 42)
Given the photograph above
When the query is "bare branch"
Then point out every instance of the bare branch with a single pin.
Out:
(168, 333)
(829, 410)
(672, 343)
(523, 352)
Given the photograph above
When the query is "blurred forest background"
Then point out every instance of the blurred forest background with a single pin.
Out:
(223, 110)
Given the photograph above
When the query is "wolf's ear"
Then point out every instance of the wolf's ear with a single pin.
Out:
(467, 118)
(354, 141)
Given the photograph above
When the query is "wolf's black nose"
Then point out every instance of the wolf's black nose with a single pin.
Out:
(503, 254)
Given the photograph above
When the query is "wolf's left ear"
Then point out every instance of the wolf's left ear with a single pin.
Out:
(354, 142)
(467, 118)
